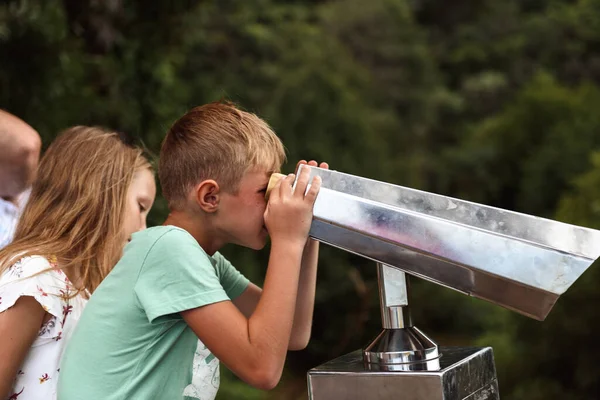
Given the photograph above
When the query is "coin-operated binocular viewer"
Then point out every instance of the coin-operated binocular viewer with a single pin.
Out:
(517, 261)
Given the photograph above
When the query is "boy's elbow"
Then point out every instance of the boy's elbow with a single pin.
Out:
(299, 344)
(265, 379)
(299, 341)
(268, 384)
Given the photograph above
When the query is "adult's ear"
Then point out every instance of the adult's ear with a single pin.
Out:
(208, 195)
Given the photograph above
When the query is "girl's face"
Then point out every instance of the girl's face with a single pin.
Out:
(140, 197)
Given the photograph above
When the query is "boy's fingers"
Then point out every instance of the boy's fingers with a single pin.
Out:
(275, 191)
(315, 186)
(324, 165)
(285, 188)
(273, 185)
(299, 164)
(302, 182)
(312, 163)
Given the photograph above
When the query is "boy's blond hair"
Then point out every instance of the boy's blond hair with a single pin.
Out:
(77, 204)
(215, 141)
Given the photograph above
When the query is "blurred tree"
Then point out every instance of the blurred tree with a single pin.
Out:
(525, 157)
(383, 37)
(556, 359)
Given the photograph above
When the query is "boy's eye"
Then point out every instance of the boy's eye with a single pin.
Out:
(142, 208)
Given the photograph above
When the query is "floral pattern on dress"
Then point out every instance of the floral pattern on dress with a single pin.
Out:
(16, 269)
(15, 396)
(47, 327)
(42, 279)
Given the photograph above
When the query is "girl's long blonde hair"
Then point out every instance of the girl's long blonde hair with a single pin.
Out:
(77, 204)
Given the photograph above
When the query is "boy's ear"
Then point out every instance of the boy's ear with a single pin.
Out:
(208, 195)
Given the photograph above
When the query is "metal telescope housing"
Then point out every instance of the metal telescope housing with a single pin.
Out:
(517, 261)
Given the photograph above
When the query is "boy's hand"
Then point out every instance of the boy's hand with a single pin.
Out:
(312, 163)
(289, 212)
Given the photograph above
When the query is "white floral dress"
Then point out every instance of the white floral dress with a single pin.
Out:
(38, 375)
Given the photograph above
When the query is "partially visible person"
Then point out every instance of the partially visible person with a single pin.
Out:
(91, 194)
(20, 148)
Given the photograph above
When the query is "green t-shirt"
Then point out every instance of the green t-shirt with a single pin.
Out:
(131, 342)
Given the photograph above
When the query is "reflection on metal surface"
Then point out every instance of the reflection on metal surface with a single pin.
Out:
(515, 260)
(393, 297)
(408, 348)
(463, 374)
(400, 346)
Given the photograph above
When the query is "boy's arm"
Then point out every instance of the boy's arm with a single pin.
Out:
(305, 302)
(303, 312)
(255, 348)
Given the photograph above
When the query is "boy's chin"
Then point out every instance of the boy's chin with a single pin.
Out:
(258, 245)
(256, 242)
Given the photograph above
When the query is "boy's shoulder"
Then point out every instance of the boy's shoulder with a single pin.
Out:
(162, 240)
(162, 234)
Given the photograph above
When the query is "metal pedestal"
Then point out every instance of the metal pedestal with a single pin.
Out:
(462, 373)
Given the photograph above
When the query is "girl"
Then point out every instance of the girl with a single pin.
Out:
(92, 192)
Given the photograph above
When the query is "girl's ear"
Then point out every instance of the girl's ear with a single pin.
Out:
(208, 195)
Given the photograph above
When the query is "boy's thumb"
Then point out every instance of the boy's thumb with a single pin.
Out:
(276, 177)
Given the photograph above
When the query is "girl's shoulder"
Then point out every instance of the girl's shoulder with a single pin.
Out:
(38, 277)
(29, 267)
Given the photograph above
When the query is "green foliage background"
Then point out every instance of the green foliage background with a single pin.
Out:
(491, 101)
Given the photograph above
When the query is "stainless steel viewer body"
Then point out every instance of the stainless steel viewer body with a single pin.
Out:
(515, 260)
(518, 261)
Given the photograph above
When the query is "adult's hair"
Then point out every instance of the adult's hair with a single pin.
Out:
(215, 141)
(77, 204)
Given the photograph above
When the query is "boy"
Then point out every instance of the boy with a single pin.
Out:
(173, 307)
